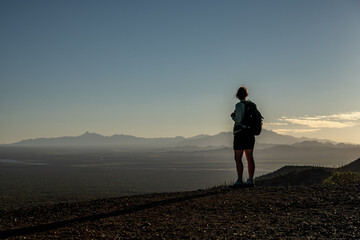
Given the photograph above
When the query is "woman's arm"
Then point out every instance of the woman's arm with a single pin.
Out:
(238, 114)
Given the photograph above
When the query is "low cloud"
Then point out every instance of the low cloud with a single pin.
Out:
(352, 116)
(275, 124)
(286, 131)
(320, 123)
(315, 123)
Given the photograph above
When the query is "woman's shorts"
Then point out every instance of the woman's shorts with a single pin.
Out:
(244, 140)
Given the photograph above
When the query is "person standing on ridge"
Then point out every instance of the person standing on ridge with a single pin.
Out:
(244, 140)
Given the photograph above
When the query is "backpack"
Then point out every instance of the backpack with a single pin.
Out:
(253, 119)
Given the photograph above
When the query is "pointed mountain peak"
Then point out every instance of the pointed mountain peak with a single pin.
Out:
(88, 134)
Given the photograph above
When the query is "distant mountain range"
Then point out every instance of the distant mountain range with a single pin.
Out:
(273, 151)
(224, 139)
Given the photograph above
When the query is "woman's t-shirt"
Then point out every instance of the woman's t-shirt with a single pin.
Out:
(239, 112)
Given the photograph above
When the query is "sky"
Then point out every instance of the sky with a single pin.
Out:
(172, 68)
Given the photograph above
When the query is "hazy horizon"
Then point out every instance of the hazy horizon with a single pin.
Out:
(211, 140)
(187, 137)
(171, 68)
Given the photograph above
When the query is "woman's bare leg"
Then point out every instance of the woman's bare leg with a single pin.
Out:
(239, 165)
(251, 162)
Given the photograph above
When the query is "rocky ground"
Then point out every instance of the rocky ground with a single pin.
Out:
(313, 212)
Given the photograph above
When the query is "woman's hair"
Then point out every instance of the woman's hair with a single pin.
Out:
(242, 93)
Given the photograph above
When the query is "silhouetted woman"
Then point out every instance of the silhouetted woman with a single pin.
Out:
(244, 141)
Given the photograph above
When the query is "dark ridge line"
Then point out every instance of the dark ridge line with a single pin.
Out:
(55, 225)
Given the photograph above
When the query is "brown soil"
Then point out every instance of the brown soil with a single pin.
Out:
(314, 212)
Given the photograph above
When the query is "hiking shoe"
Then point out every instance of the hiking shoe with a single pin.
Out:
(239, 184)
(239, 181)
(249, 183)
